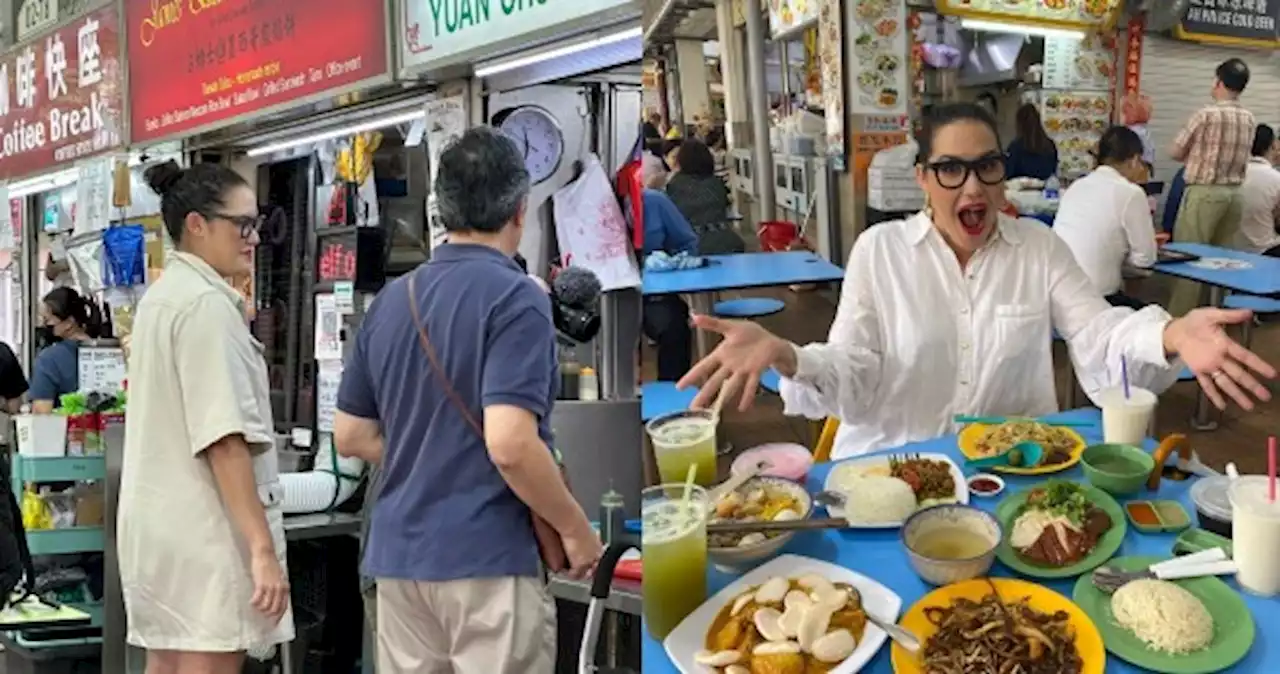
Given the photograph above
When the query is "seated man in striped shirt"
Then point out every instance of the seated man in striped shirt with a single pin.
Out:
(1215, 146)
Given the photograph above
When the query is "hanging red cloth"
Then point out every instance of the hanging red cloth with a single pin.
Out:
(631, 187)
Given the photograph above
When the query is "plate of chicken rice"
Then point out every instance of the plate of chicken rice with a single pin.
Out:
(1059, 529)
(1000, 626)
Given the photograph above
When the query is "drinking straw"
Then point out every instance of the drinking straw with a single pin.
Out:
(1124, 375)
(1271, 469)
(688, 482)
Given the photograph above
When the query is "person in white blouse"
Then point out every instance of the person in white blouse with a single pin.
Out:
(949, 312)
(1261, 190)
(1104, 217)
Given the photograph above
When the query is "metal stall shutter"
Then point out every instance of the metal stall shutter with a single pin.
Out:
(1178, 75)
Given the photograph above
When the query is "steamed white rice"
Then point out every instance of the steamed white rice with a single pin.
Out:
(876, 499)
(1163, 615)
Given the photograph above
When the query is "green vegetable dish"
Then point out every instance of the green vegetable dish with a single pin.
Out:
(1067, 499)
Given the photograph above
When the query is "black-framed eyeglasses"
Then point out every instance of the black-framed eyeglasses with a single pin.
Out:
(248, 224)
(952, 173)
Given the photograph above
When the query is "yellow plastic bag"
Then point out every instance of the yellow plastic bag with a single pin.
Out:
(35, 512)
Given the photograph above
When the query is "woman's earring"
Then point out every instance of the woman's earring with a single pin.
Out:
(928, 208)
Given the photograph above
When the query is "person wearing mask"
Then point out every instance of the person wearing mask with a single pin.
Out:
(1259, 232)
(67, 319)
(1031, 154)
(703, 199)
(1104, 217)
(449, 390)
(666, 317)
(13, 383)
(1215, 147)
(950, 311)
(201, 533)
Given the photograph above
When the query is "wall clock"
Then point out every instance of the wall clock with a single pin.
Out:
(539, 137)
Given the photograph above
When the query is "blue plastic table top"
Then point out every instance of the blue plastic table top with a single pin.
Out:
(749, 307)
(1263, 278)
(1254, 303)
(661, 397)
(880, 555)
(744, 270)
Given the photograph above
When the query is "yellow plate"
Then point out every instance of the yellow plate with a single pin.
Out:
(972, 433)
(1088, 640)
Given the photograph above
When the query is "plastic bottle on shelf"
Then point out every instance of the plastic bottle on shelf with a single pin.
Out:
(588, 385)
(1051, 187)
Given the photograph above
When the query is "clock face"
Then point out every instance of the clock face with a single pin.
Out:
(538, 136)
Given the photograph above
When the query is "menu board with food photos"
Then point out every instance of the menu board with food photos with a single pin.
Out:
(1075, 13)
(1075, 121)
(1087, 64)
(880, 48)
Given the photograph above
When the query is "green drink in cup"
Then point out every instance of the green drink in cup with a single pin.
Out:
(682, 439)
(674, 539)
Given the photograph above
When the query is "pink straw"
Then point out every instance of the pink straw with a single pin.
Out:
(1271, 468)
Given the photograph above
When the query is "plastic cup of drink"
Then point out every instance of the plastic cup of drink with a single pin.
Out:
(684, 438)
(674, 564)
(1255, 525)
(1126, 420)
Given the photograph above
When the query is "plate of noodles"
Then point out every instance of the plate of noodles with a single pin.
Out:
(1000, 625)
(1190, 626)
(1063, 446)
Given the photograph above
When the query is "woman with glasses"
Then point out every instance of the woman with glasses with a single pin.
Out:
(201, 533)
(950, 311)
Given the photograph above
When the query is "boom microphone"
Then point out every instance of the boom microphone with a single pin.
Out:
(575, 303)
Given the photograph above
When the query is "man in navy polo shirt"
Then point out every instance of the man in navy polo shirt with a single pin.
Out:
(451, 542)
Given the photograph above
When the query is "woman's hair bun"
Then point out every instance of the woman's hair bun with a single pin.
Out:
(162, 177)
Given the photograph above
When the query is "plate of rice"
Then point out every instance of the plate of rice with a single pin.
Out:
(881, 492)
(1191, 626)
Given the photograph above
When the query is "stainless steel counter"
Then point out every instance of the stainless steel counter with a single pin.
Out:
(625, 596)
(321, 525)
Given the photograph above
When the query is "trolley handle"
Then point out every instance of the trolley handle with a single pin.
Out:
(603, 578)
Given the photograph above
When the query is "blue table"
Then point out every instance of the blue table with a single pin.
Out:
(743, 270)
(879, 555)
(1262, 279)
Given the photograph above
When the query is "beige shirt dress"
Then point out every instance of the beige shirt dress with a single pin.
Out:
(196, 375)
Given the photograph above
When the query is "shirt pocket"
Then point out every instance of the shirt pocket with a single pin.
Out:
(1021, 333)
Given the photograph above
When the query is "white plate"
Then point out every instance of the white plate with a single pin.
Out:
(690, 635)
(882, 460)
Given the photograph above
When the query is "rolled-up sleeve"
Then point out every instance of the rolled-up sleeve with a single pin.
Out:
(1099, 335)
(216, 375)
(839, 378)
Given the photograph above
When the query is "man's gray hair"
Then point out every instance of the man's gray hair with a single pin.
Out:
(482, 182)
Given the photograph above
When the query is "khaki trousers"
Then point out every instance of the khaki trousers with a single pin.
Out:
(472, 626)
(1208, 214)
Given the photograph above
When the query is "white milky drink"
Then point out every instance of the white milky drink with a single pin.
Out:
(1255, 535)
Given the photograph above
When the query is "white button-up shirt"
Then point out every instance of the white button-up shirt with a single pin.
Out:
(1105, 220)
(1261, 190)
(917, 340)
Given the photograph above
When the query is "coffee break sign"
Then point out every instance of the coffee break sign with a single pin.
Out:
(198, 64)
(61, 96)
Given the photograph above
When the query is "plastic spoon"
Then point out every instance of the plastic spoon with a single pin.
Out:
(1029, 454)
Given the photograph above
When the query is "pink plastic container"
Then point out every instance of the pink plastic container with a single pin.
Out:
(787, 460)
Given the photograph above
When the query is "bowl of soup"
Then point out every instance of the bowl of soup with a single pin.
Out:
(951, 543)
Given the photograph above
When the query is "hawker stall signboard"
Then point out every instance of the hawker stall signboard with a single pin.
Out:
(437, 33)
(61, 96)
(1072, 14)
(1243, 23)
(198, 64)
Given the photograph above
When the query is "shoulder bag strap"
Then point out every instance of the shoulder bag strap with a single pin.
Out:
(436, 368)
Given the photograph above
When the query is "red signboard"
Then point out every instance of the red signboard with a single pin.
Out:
(195, 64)
(61, 96)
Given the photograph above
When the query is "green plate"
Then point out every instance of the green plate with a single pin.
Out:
(1106, 547)
(1233, 627)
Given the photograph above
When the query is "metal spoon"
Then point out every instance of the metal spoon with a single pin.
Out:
(900, 635)
(1212, 562)
(827, 499)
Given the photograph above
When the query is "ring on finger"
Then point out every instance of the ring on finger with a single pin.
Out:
(1217, 374)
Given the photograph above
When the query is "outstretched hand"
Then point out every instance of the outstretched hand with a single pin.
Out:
(1224, 368)
(737, 362)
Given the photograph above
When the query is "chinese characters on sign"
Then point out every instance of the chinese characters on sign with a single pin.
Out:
(1133, 56)
(1248, 21)
(195, 65)
(56, 102)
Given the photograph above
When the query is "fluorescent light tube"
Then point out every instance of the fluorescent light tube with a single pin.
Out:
(1039, 31)
(567, 50)
(371, 125)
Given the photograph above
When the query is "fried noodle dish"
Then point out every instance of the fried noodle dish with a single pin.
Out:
(995, 637)
(1057, 442)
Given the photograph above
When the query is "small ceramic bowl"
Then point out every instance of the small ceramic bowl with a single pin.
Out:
(741, 557)
(982, 478)
(948, 571)
(1117, 469)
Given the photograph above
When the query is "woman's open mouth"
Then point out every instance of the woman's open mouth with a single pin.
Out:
(973, 218)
